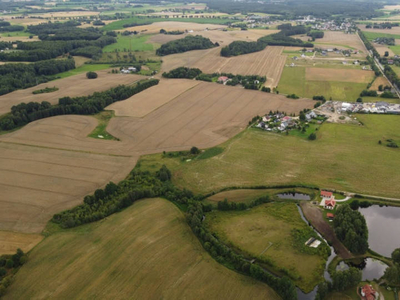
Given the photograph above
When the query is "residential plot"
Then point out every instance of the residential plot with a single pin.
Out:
(268, 62)
(73, 86)
(130, 256)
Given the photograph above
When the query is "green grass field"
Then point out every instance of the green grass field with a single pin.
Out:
(275, 234)
(117, 25)
(373, 35)
(130, 256)
(128, 43)
(101, 130)
(83, 69)
(15, 33)
(344, 157)
(293, 80)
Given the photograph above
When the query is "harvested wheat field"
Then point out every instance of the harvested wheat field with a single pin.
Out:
(129, 256)
(10, 241)
(80, 60)
(343, 75)
(382, 49)
(73, 86)
(379, 81)
(5, 38)
(269, 62)
(203, 116)
(145, 102)
(172, 26)
(340, 38)
(394, 30)
(26, 21)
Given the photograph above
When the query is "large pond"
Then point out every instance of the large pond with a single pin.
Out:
(371, 268)
(383, 227)
(294, 196)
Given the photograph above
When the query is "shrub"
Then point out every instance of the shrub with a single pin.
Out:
(91, 75)
(194, 150)
(312, 136)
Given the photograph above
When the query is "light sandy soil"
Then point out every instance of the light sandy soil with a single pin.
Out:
(50, 164)
(145, 102)
(172, 26)
(9, 241)
(72, 86)
(394, 30)
(269, 62)
(321, 74)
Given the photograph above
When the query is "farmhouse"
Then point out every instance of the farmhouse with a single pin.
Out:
(223, 79)
(330, 204)
(368, 292)
(328, 200)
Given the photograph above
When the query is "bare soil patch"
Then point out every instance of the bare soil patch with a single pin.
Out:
(173, 26)
(152, 98)
(73, 86)
(269, 63)
(343, 75)
(314, 215)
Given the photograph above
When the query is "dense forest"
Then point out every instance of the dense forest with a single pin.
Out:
(140, 185)
(351, 229)
(186, 44)
(60, 39)
(7, 27)
(21, 76)
(281, 38)
(24, 113)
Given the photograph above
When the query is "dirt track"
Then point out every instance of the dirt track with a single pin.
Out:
(314, 215)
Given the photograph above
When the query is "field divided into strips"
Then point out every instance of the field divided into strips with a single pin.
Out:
(204, 116)
(339, 83)
(130, 256)
(51, 164)
(269, 63)
(73, 86)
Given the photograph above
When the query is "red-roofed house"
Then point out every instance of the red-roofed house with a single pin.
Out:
(330, 203)
(367, 292)
(330, 215)
(325, 194)
(223, 79)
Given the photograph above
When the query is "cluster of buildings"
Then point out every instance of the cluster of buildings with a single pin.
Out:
(347, 27)
(277, 122)
(328, 200)
(380, 107)
(369, 293)
(128, 70)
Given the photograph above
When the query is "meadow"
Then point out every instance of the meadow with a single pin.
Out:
(129, 43)
(344, 157)
(338, 84)
(274, 234)
(129, 256)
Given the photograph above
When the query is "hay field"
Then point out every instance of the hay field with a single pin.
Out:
(382, 49)
(379, 81)
(10, 241)
(129, 256)
(266, 232)
(259, 158)
(73, 86)
(172, 26)
(343, 75)
(203, 116)
(80, 60)
(269, 62)
(340, 38)
(145, 102)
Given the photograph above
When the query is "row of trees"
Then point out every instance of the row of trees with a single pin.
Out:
(225, 205)
(20, 76)
(392, 273)
(281, 38)
(8, 264)
(23, 113)
(351, 229)
(186, 44)
(8, 28)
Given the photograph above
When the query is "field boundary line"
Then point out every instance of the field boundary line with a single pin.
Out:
(63, 149)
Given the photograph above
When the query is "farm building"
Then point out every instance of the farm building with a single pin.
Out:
(325, 194)
(223, 79)
(330, 204)
(368, 292)
(328, 200)
(330, 216)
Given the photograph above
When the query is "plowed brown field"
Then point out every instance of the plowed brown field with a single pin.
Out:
(269, 62)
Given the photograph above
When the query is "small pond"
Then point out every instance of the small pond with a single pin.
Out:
(294, 196)
(371, 268)
(383, 227)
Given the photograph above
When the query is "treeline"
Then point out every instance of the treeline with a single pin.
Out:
(392, 273)
(251, 82)
(8, 266)
(368, 44)
(391, 75)
(316, 34)
(23, 113)
(174, 32)
(21, 76)
(7, 27)
(226, 206)
(4, 45)
(186, 44)
(351, 229)
(51, 28)
(36, 51)
(281, 38)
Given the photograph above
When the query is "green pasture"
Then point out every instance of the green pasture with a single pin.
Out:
(130, 43)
